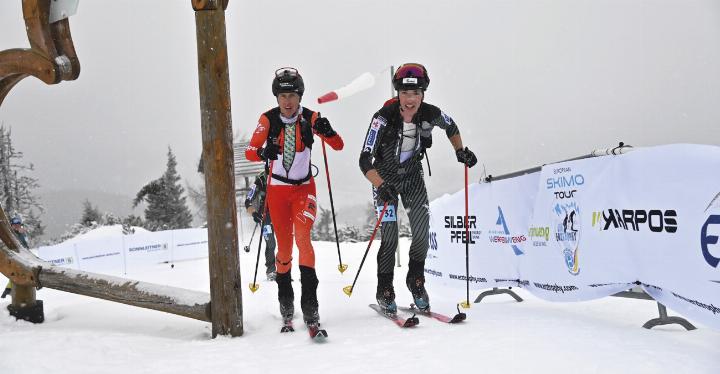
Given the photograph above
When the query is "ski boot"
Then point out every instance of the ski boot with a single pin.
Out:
(416, 284)
(385, 294)
(308, 299)
(286, 297)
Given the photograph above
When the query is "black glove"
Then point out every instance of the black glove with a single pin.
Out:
(270, 152)
(257, 217)
(426, 141)
(322, 126)
(465, 156)
(386, 193)
(306, 133)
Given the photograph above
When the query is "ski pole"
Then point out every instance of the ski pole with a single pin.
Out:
(247, 247)
(254, 286)
(341, 267)
(466, 304)
(349, 289)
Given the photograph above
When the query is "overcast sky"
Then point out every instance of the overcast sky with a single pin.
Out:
(528, 82)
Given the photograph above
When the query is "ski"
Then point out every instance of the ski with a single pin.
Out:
(410, 322)
(287, 326)
(459, 317)
(316, 333)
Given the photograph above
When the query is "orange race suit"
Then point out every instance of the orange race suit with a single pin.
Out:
(291, 190)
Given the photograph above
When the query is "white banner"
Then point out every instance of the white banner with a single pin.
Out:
(189, 244)
(104, 255)
(147, 248)
(117, 253)
(569, 267)
(667, 214)
(60, 255)
(593, 227)
(498, 221)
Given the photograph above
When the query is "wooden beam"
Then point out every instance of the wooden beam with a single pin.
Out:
(216, 122)
(182, 302)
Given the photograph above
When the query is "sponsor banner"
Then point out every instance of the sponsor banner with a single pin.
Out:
(561, 263)
(147, 248)
(593, 227)
(119, 254)
(59, 255)
(497, 226)
(189, 244)
(101, 255)
(671, 208)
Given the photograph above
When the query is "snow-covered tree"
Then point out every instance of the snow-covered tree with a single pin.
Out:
(348, 234)
(371, 219)
(199, 199)
(17, 186)
(323, 229)
(91, 214)
(166, 205)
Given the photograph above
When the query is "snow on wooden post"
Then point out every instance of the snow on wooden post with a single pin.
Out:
(225, 284)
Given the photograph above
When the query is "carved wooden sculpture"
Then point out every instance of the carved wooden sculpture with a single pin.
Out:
(51, 57)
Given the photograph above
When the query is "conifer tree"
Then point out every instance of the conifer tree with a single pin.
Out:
(322, 229)
(90, 215)
(17, 186)
(166, 205)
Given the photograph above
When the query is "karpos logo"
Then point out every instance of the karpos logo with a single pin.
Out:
(634, 219)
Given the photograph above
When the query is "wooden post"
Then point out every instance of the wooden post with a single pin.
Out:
(225, 283)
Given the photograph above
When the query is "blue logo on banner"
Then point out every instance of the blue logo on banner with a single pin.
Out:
(433, 241)
(706, 240)
(501, 221)
(564, 181)
(567, 233)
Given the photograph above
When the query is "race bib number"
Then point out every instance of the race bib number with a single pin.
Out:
(390, 215)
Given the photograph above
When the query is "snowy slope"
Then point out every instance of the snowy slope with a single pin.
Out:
(84, 335)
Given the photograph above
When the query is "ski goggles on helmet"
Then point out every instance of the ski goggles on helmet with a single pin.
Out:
(411, 76)
(286, 72)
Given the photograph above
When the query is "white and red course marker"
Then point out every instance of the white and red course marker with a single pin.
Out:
(361, 83)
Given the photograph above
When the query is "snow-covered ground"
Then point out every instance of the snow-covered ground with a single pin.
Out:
(85, 335)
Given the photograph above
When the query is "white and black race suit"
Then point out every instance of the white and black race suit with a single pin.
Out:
(395, 150)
